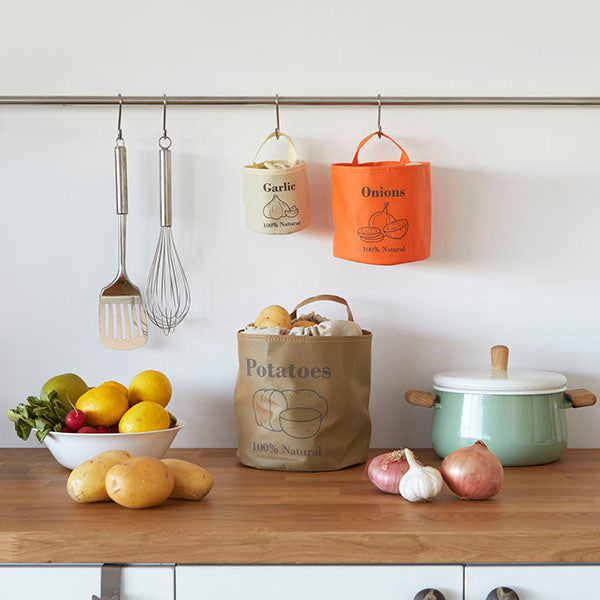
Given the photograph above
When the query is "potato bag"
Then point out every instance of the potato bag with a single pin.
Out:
(302, 402)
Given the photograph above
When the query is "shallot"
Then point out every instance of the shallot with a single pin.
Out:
(473, 473)
(386, 470)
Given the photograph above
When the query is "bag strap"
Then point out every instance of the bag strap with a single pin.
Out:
(292, 154)
(403, 158)
(328, 297)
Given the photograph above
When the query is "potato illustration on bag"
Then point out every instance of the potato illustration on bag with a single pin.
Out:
(268, 405)
(296, 413)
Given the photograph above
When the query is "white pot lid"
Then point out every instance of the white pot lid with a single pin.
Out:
(497, 379)
(488, 381)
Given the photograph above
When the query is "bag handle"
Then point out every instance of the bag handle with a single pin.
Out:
(403, 158)
(292, 154)
(328, 297)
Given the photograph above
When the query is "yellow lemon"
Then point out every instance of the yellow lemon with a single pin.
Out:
(153, 386)
(117, 385)
(144, 416)
(273, 316)
(103, 405)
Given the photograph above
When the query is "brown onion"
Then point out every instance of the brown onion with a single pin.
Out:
(473, 473)
(386, 470)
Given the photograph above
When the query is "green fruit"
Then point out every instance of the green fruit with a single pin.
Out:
(68, 388)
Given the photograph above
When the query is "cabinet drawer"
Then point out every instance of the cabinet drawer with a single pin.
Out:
(251, 582)
(79, 582)
(544, 582)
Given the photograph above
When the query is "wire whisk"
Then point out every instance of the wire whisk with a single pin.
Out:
(167, 291)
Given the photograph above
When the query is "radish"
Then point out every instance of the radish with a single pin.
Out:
(67, 429)
(87, 429)
(101, 429)
(113, 429)
(75, 419)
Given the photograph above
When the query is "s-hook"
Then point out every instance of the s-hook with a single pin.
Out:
(164, 141)
(119, 130)
(379, 131)
(277, 130)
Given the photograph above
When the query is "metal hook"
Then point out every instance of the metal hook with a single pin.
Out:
(164, 141)
(277, 115)
(119, 130)
(379, 131)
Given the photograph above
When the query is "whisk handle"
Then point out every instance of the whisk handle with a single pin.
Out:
(166, 203)
(121, 179)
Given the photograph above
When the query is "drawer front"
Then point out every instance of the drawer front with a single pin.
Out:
(79, 582)
(547, 582)
(398, 582)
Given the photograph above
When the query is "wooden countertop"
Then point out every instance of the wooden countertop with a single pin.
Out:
(549, 513)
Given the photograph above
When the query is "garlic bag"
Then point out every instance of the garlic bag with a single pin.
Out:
(419, 484)
(275, 193)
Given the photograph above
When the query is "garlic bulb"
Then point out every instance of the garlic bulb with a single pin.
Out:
(419, 483)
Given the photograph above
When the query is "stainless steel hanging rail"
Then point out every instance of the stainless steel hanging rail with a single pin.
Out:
(310, 100)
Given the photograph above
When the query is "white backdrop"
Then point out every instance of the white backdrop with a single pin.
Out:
(516, 216)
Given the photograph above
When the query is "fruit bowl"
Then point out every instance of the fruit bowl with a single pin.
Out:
(71, 449)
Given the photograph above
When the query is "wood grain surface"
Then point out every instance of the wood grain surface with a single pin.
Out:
(548, 513)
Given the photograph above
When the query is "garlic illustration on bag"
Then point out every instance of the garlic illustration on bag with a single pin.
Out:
(277, 208)
(419, 484)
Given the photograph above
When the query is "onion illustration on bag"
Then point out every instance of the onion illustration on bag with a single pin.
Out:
(276, 208)
(383, 224)
(296, 413)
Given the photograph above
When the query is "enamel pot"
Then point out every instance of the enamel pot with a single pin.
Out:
(519, 415)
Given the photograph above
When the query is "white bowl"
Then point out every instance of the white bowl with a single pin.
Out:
(71, 449)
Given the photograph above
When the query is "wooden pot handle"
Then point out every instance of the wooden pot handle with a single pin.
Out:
(581, 397)
(418, 398)
(499, 358)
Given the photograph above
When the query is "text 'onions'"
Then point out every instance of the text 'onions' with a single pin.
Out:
(473, 473)
(386, 470)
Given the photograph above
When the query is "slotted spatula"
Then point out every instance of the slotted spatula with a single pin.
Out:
(121, 316)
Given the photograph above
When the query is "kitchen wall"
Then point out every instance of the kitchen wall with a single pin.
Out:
(516, 216)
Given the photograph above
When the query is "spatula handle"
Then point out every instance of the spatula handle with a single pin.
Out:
(121, 179)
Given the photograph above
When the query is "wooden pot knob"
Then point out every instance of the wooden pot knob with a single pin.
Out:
(499, 358)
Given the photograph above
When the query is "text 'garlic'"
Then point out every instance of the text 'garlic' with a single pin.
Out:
(419, 483)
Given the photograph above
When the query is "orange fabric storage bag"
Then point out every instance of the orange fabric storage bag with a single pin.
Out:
(381, 210)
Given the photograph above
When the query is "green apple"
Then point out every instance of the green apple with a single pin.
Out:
(68, 388)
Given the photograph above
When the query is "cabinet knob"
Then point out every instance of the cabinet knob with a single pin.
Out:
(429, 594)
(503, 593)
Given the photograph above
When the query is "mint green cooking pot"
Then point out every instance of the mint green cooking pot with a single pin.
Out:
(519, 415)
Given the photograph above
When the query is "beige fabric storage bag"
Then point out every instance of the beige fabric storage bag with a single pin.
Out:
(302, 402)
(275, 193)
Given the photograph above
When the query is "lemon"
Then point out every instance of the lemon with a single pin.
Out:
(144, 416)
(117, 385)
(103, 405)
(150, 385)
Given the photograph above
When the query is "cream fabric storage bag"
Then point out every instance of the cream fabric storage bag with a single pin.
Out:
(276, 193)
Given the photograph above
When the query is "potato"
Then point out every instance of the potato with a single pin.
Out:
(192, 482)
(86, 482)
(140, 482)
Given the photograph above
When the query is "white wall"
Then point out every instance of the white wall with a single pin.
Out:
(516, 215)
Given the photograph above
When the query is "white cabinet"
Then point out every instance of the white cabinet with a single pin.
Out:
(544, 582)
(147, 583)
(398, 582)
(79, 582)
